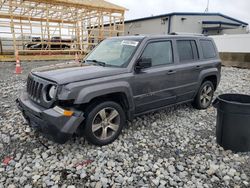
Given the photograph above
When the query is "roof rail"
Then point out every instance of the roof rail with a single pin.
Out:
(191, 34)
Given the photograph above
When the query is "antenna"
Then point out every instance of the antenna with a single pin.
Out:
(207, 9)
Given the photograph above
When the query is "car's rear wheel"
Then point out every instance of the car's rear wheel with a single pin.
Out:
(104, 122)
(204, 96)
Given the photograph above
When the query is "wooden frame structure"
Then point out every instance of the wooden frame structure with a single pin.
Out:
(46, 27)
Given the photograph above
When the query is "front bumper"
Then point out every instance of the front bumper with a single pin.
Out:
(50, 122)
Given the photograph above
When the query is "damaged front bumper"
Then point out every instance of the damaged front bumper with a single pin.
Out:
(53, 123)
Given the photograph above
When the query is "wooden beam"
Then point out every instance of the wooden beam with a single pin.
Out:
(18, 17)
(36, 57)
(1, 47)
(47, 25)
(12, 27)
(49, 18)
(2, 3)
(82, 5)
(43, 11)
(30, 8)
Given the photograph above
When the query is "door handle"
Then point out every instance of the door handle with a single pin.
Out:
(171, 72)
(198, 67)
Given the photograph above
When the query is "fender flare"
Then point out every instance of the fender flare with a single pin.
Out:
(90, 92)
(208, 72)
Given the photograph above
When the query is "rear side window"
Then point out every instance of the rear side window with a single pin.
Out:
(160, 53)
(208, 49)
(187, 50)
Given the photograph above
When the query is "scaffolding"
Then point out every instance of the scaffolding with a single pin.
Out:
(58, 27)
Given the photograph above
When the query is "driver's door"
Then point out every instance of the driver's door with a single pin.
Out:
(154, 87)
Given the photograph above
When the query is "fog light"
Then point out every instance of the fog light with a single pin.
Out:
(67, 113)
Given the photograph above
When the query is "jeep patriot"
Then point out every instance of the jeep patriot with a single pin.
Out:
(123, 77)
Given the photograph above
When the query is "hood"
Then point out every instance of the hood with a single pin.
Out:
(72, 72)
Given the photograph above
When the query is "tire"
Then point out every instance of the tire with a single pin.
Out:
(105, 131)
(204, 97)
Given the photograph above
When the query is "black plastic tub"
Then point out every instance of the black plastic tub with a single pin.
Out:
(233, 122)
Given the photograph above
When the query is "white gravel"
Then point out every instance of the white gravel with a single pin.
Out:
(175, 147)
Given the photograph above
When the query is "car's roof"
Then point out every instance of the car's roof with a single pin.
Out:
(174, 35)
(177, 36)
(132, 37)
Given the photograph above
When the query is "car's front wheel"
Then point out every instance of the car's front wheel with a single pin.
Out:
(204, 96)
(104, 122)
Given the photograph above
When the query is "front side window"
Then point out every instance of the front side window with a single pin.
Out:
(187, 50)
(160, 53)
(113, 52)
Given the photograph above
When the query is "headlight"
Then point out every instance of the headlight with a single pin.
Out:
(52, 92)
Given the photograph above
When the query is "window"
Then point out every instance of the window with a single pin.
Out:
(164, 20)
(207, 49)
(114, 52)
(159, 52)
(187, 50)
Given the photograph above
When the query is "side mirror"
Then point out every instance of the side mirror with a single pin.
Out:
(143, 63)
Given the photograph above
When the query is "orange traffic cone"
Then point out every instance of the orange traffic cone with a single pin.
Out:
(18, 64)
(76, 58)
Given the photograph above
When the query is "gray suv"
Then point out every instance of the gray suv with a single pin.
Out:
(123, 77)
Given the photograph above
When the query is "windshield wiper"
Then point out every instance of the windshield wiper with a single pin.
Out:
(97, 62)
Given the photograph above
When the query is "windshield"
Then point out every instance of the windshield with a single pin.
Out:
(113, 52)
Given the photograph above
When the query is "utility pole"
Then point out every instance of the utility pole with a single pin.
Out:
(207, 9)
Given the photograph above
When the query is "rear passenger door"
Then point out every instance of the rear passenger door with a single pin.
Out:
(188, 68)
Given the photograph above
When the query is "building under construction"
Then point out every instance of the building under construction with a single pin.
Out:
(56, 29)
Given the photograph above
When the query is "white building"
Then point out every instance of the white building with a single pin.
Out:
(233, 43)
(205, 23)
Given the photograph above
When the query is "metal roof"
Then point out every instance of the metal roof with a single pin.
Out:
(187, 14)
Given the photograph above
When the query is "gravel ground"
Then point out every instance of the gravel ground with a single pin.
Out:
(175, 147)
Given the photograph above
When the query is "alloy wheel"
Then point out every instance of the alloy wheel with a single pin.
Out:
(106, 123)
(206, 95)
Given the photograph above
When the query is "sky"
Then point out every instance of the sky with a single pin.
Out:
(238, 9)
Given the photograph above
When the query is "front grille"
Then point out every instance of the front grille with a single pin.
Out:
(34, 89)
(37, 89)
